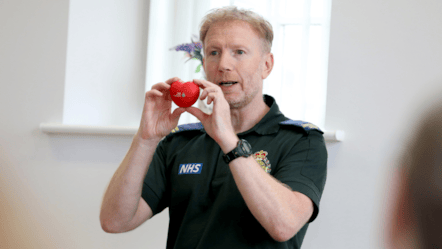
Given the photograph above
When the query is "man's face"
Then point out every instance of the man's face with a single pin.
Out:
(234, 53)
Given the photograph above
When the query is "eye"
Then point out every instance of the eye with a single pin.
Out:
(214, 53)
(240, 51)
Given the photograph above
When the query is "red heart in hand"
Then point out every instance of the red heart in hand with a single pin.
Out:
(184, 94)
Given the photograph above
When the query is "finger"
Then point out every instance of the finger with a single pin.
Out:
(153, 93)
(211, 98)
(204, 83)
(177, 113)
(171, 80)
(164, 88)
(201, 116)
(207, 91)
(203, 95)
(161, 86)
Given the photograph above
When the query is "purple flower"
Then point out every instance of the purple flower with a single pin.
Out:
(189, 47)
(198, 45)
(193, 50)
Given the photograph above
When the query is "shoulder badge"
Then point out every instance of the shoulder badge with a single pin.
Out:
(188, 127)
(305, 125)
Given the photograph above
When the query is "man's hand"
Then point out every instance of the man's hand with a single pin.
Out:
(156, 120)
(123, 209)
(218, 125)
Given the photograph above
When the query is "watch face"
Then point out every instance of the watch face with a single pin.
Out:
(245, 146)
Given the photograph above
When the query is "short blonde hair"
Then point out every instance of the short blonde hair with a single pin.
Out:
(232, 13)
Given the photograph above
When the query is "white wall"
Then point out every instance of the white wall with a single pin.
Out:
(385, 56)
(385, 62)
(51, 186)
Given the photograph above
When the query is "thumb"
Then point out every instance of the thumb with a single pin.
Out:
(201, 116)
(177, 113)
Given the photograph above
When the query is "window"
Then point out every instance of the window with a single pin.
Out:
(107, 71)
(298, 81)
(105, 64)
(301, 34)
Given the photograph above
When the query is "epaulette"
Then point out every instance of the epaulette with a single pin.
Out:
(188, 127)
(304, 125)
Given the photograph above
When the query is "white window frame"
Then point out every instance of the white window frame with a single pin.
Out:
(304, 99)
(167, 28)
(173, 22)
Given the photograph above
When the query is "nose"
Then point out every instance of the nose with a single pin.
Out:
(225, 62)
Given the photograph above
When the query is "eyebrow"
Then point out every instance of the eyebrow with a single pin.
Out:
(234, 45)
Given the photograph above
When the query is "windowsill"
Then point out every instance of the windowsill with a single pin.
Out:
(57, 128)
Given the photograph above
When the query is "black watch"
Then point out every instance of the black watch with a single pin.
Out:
(242, 149)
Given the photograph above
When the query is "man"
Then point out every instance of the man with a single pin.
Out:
(246, 176)
(416, 218)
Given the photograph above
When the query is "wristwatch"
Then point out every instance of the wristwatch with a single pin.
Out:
(242, 149)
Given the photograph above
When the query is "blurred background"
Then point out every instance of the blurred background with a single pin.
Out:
(88, 62)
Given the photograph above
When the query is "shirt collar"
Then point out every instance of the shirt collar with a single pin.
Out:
(269, 124)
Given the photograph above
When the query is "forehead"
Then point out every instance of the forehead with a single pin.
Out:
(231, 32)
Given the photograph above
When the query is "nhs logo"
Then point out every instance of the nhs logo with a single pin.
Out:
(190, 168)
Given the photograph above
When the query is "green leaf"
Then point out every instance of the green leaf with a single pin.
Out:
(198, 69)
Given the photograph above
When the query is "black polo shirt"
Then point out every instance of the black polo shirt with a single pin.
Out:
(206, 210)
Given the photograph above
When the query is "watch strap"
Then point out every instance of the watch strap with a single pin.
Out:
(243, 149)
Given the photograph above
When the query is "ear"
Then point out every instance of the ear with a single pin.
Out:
(268, 65)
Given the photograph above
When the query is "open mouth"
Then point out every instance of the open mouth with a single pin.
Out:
(227, 83)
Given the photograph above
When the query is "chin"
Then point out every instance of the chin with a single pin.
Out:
(241, 99)
(236, 104)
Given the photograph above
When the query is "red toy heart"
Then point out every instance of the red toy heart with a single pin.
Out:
(184, 94)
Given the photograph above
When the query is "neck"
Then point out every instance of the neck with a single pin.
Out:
(248, 116)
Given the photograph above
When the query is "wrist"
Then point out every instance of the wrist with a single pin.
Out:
(243, 149)
(228, 143)
(146, 142)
